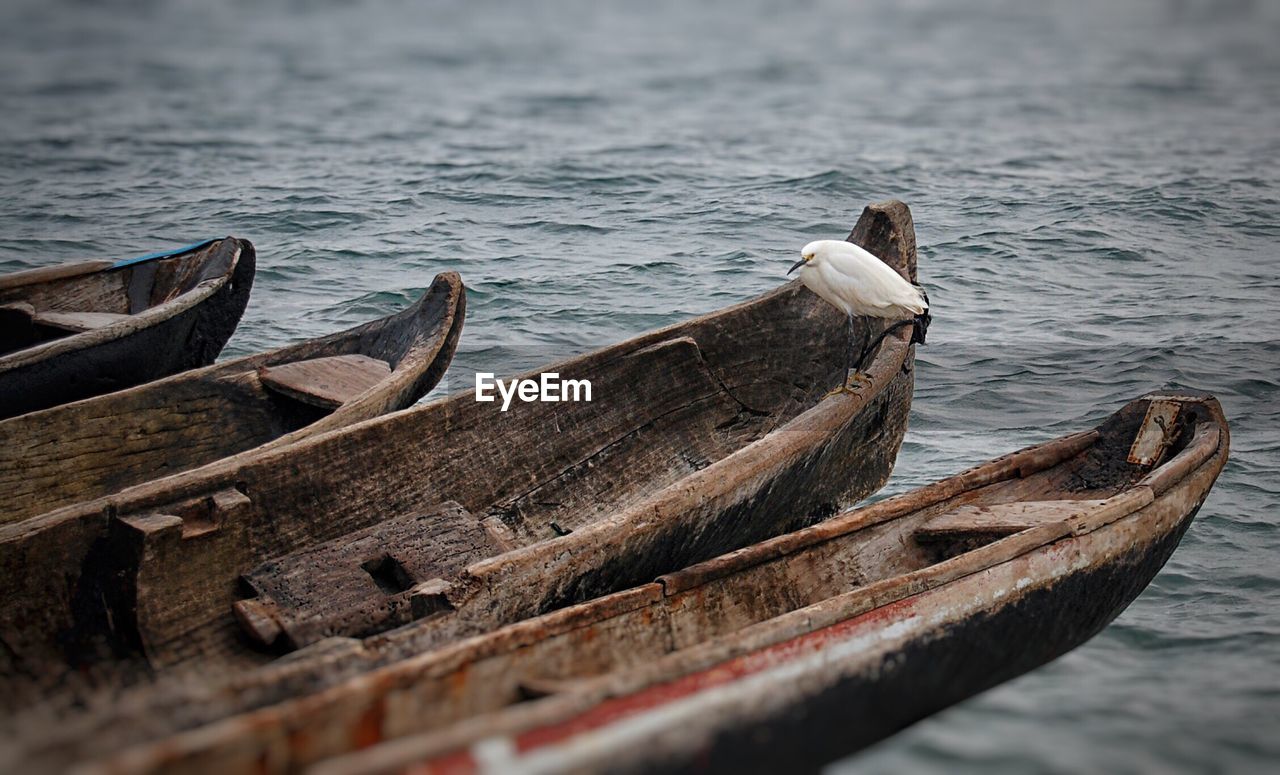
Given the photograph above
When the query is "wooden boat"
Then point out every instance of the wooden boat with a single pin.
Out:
(776, 657)
(702, 437)
(78, 330)
(95, 447)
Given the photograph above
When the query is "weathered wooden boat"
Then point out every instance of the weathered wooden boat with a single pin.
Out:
(776, 657)
(702, 437)
(77, 330)
(97, 446)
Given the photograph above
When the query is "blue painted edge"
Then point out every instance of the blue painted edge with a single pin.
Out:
(163, 254)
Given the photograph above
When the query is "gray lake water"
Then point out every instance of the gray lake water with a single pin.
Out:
(1096, 189)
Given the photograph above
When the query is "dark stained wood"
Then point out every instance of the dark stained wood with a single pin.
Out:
(789, 652)
(177, 311)
(89, 449)
(16, 328)
(325, 382)
(702, 437)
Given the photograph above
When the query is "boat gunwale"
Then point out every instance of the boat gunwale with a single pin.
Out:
(38, 275)
(69, 270)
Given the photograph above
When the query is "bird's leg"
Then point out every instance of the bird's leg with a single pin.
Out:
(867, 347)
(848, 351)
(858, 378)
(849, 371)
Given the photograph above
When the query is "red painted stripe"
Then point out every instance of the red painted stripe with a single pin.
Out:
(735, 669)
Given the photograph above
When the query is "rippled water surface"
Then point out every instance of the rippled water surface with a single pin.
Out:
(1095, 191)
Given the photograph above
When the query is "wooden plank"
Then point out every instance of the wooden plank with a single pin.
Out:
(983, 523)
(366, 582)
(76, 322)
(325, 382)
(1158, 429)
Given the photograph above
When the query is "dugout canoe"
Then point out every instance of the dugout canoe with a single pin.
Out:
(98, 446)
(701, 437)
(77, 330)
(777, 657)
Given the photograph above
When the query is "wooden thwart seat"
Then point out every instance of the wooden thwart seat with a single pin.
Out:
(325, 382)
(969, 526)
(75, 322)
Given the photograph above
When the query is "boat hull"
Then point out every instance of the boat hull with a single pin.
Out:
(784, 654)
(890, 686)
(191, 337)
(807, 701)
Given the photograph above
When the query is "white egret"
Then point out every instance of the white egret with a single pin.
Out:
(857, 283)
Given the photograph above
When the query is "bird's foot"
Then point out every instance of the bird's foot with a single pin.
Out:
(856, 382)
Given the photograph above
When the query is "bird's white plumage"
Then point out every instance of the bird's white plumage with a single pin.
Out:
(857, 283)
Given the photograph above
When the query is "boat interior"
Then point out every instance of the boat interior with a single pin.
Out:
(41, 305)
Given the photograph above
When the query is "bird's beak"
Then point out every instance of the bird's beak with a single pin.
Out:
(796, 266)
